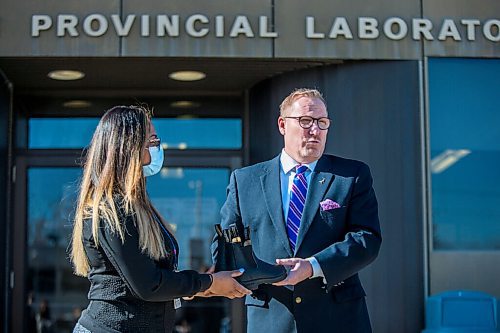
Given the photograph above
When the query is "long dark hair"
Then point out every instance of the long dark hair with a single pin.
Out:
(113, 168)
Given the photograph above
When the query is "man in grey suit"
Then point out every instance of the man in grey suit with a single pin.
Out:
(315, 214)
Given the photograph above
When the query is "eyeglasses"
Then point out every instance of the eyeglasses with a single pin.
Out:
(306, 122)
(155, 142)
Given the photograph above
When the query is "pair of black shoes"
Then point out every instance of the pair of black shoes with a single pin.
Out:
(234, 251)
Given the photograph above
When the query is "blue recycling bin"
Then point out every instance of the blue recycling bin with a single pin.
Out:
(462, 312)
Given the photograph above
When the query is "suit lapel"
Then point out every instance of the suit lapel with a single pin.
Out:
(271, 187)
(320, 182)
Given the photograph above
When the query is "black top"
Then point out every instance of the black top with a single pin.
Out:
(129, 291)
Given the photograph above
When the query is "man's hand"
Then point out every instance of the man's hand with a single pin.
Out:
(301, 270)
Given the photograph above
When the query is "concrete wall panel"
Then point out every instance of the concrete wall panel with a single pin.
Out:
(293, 42)
(208, 45)
(458, 10)
(16, 29)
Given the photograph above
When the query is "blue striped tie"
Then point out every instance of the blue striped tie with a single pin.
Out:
(296, 206)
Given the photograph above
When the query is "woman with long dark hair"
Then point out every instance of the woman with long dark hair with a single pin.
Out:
(120, 241)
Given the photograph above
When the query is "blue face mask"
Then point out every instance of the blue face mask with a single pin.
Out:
(154, 167)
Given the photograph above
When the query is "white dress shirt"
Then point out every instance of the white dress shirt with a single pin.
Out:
(287, 173)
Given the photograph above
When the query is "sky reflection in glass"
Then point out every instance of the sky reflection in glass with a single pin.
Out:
(76, 133)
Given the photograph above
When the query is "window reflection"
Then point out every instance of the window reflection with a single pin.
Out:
(465, 153)
(190, 200)
(465, 198)
(56, 133)
(56, 294)
(200, 133)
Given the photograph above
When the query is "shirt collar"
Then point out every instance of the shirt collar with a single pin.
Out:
(288, 163)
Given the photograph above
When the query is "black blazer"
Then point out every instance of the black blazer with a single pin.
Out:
(344, 240)
(129, 291)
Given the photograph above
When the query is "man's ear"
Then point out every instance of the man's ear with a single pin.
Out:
(281, 125)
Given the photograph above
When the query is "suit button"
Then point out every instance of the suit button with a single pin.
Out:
(298, 300)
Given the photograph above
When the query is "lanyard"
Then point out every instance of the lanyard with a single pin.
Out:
(171, 241)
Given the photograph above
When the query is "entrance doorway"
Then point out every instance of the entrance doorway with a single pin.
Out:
(54, 163)
(200, 153)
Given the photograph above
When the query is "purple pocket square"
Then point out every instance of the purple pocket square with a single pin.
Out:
(329, 205)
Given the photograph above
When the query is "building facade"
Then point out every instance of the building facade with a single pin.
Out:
(412, 88)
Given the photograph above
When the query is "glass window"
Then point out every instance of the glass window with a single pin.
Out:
(57, 133)
(52, 193)
(465, 153)
(190, 200)
(76, 133)
(199, 133)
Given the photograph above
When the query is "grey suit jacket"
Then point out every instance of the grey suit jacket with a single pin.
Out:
(343, 240)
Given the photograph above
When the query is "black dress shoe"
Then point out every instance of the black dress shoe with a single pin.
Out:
(234, 251)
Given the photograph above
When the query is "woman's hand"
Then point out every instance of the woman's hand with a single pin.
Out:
(225, 285)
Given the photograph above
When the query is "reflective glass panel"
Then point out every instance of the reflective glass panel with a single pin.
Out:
(74, 133)
(465, 153)
(190, 200)
(56, 133)
(57, 295)
(199, 133)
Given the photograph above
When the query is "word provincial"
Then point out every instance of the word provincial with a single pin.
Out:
(200, 25)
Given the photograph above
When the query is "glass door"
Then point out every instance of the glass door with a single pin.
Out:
(190, 199)
(55, 297)
(189, 192)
